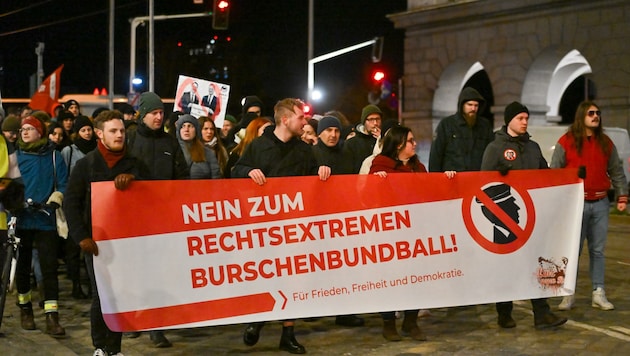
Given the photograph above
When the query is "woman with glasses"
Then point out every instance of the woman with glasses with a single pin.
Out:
(399, 156)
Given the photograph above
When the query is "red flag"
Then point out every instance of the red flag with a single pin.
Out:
(47, 95)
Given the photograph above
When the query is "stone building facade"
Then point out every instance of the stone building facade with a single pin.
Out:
(533, 51)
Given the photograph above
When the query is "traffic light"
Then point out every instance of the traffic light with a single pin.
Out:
(220, 14)
(378, 76)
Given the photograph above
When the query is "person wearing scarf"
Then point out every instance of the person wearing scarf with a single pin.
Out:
(83, 141)
(108, 162)
(45, 176)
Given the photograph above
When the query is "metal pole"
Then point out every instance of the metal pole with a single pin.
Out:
(134, 25)
(310, 68)
(151, 46)
(110, 85)
(39, 51)
(132, 56)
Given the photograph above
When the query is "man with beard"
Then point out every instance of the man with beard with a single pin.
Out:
(460, 139)
(586, 145)
(108, 162)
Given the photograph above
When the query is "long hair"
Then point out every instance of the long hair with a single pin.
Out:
(251, 132)
(394, 141)
(578, 129)
(218, 147)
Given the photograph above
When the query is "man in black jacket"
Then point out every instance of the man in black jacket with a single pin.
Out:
(161, 154)
(279, 152)
(108, 162)
(460, 139)
(512, 149)
(361, 145)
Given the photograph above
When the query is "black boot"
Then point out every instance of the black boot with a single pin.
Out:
(410, 326)
(77, 292)
(159, 340)
(27, 317)
(289, 343)
(252, 333)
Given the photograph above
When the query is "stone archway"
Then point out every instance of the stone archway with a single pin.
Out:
(455, 77)
(548, 77)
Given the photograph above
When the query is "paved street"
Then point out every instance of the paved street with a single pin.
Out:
(470, 330)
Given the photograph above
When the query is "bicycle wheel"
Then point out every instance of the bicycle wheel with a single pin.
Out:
(6, 258)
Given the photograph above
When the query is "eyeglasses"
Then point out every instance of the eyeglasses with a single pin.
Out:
(593, 112)
(27, 129)
(373, 119)
(411, 141)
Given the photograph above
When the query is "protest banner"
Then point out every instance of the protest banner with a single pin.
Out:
(176, 254)
(199, 97)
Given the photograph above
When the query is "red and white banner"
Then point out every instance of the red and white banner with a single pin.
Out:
(176, 254)
(47, 95)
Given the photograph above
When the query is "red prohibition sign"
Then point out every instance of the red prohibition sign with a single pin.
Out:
(522, 234)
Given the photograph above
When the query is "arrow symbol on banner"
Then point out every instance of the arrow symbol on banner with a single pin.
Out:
(190, 313)
(284, 304)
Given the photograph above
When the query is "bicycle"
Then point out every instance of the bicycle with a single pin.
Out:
(10, 249)
(10, 252)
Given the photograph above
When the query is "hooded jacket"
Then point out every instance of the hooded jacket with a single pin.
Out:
(507, 152)
(456, 146)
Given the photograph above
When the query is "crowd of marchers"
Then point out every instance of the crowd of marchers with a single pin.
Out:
(55, 159)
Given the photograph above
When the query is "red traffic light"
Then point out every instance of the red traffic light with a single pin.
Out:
(378, 75)
(220, 14)
(223, 4)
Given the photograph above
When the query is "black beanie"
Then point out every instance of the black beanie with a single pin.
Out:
(250, 101)
(512, 110)
(81, 121)
(326, 122)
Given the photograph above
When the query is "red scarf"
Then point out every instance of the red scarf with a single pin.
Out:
(111, 157)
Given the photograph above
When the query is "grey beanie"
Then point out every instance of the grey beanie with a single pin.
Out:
(187, 119)
(148, 102)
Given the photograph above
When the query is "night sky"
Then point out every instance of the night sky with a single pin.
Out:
(266, 54)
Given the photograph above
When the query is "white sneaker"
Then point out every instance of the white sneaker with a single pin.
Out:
(600, 301)
(99, 352)
(567, 302)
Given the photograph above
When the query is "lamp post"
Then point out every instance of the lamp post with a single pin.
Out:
(135, 22)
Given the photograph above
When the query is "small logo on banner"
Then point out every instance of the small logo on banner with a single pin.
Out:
(499, 217)
(551, 274)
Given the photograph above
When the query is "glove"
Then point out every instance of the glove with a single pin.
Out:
(503, 169)
(582, 172)
(122, 181)
(88, 245)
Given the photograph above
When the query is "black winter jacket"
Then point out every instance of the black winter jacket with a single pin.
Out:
(456, 146)
(159, 152)
(276, 158)
(331, 157)
(77, 200)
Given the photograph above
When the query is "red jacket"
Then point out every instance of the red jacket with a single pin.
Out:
(600, 167)
(389, 165)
